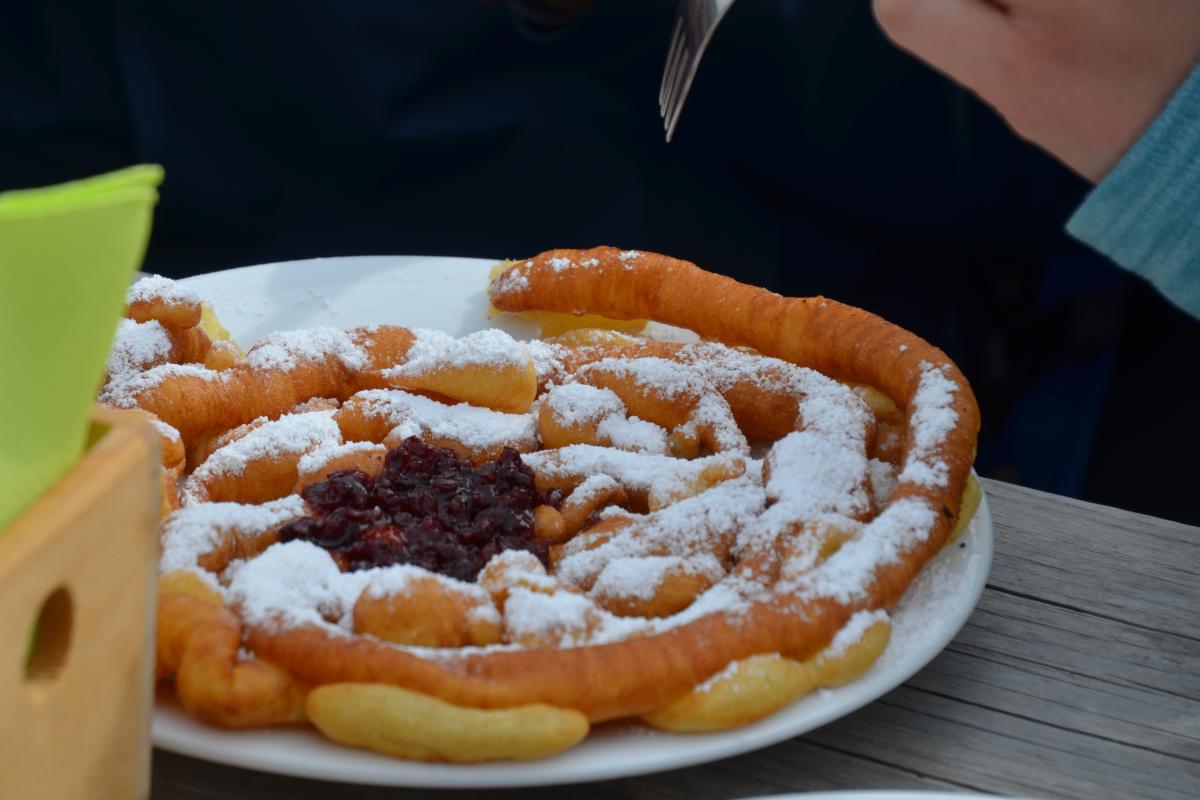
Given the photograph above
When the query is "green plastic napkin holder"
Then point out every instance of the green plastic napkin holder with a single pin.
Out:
(67, 254)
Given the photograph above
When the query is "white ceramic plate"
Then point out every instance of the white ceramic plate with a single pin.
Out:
(448, 294)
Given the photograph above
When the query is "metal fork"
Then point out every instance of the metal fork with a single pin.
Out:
(695, 22)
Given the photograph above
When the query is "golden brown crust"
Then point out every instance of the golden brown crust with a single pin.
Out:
(604, 681)
(173, 314)
(198, 644)
(843, 342)
(194, 404)
(637, 675)
(633, 676)
(188, 345)
(428, 612)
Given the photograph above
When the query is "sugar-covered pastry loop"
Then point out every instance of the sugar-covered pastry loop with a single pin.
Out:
(318, 464)
(198, 646)
(670, 395)
(207, 537)
(486, 369)
(262, 463)
(755, 687)
(290, 367)
(476, 433)
(159, 299)
(579, 413)
(801, 509)
(138, 346)
(416, 607)
(165, 325)
(278, 372)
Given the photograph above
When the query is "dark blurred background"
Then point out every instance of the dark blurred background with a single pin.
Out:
(812, 158)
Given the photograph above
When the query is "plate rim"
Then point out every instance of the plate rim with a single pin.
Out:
(167, 735)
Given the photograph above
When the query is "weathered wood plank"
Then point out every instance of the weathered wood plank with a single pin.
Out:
(795, 765)
(1002, 753)
(1133, 716)
(1041, 634)
(1105, 561)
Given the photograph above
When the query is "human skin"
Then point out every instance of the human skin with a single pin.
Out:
(1083, 79)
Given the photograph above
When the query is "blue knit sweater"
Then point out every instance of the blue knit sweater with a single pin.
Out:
(1146, 214)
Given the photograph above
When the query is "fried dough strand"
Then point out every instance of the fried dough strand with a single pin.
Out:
(632, 676)
(269, 381)
(198, 643)
(843, 342)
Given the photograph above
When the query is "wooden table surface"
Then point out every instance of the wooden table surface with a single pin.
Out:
(1078, 676)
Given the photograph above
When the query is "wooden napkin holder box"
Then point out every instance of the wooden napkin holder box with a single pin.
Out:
(80, 566)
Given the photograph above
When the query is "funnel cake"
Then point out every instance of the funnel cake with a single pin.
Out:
(472, 548)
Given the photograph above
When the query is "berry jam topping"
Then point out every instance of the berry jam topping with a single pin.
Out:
(427, 507)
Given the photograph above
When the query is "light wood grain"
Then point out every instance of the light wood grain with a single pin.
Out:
(1078, 676)
(81, 731)
(1101, 561)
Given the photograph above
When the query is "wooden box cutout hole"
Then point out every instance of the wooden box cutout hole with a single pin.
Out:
(50, 638)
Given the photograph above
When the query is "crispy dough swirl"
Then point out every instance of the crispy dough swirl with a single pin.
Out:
(635, 676)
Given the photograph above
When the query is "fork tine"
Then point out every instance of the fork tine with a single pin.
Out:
(682, 64)
(695, 21)
(672, 119)
(672, 57)
(672, 102)
(669, 73)
(680, 91)
(683, 82)
(679, 80)
(678, 65)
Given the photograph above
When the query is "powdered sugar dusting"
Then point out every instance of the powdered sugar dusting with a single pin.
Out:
(689, 529)
(398, 579)
(284, 350)
(926, 611)
(547, 361)
(811, 475)
(710, 415)
(931, 420)
(641, 577)
(581, 404)
(189, 533)
(124, 393)
(326, 451)
(137, 346)
(433, 350)
(165, 430)
(568, 618)
(853, 631)
(647, 472)
(514, 279)
(295, 584)
(290, 435)
(665, 377)
(592, 487)
(847, 574)
(154, 288)
(631, 433)
(883, 479)
(473, 427)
